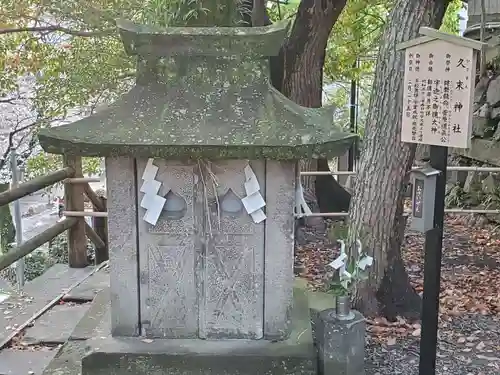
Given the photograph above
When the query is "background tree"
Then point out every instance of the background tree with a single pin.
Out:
(376, 213)
(52, 52)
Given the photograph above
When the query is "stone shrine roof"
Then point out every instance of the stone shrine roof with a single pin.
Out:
(208, 104)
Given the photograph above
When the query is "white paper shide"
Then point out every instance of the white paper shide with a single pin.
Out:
(341, 264)
(151, 201)
(301, 207)
(253, 202)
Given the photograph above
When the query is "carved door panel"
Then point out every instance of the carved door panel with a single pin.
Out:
(232, 297)
(167, 256)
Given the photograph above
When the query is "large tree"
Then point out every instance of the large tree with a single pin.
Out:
(64, 46)
(376, 212)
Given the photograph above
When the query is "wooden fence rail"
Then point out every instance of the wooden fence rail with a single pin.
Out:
(34, 185)
(33, 243)
(75, 187)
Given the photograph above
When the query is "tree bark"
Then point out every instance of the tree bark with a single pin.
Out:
(298, 71)
(376, 213)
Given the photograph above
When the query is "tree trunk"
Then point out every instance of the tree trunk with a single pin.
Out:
(377, 205)
(298, 71)
(7, 229)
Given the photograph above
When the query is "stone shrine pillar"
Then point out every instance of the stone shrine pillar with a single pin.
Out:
(201, 166)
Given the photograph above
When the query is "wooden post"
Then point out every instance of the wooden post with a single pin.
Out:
(74, 201)
(101, 228)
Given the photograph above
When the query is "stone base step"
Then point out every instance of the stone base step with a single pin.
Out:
(39, 343)
(102, 354)
(88, 290)
(25, 362)
(95, 323)
(20, 307)
(56, 325)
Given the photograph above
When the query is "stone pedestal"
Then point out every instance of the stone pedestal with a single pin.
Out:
(139, 356)
(341, 344)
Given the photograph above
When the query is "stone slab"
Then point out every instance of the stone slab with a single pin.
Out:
(279, 243)
(18, 308)
(5, 286)
(319, 301)
(56, 325)
(95, 323)
(24, 362)
(56, 280)
(68, 361)
(92, 318)
(87, 290)
(4, 294)
(104, 327)
(15, 310)
(294, 356)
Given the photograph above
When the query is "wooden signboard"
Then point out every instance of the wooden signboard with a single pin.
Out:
(440, 73)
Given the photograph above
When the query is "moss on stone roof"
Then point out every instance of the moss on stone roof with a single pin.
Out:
(150, 41)
(203, 107)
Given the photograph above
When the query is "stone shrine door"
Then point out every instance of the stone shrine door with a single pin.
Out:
(233, 271)
(201, 264)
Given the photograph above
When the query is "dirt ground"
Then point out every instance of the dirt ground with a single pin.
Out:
(469, 322)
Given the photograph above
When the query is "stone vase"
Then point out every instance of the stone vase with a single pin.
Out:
(343, 308)
(341, 340)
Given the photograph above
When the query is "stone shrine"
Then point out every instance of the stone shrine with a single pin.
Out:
(202, 178)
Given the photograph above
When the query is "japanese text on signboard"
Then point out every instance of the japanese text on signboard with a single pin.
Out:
(437, 94)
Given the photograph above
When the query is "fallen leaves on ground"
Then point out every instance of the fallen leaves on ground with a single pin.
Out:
(469, 319)
(470, 275)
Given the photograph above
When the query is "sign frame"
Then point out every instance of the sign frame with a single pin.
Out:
(432, 130)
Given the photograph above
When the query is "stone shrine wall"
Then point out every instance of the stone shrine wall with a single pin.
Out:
(201, 272)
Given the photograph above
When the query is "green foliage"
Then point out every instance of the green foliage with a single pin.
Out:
(491, 201)
(58, 249)
(456, 197)
(346, 279)
(35, 264)
(40, 260)
(191, 12)
(450, 21)
(43, 163)
(355, 35)
(351, 53)
(277, 11)
(74, 54)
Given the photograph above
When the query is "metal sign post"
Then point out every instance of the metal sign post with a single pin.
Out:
(438, 93)
(17, 217)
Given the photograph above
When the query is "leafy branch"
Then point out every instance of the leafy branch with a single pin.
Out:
(10, 141)
(10, 100)
(54, 28)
